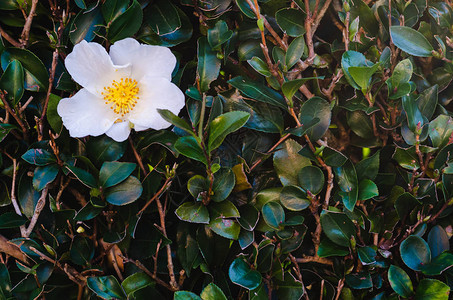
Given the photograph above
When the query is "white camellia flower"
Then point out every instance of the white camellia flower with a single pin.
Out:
(121, 90)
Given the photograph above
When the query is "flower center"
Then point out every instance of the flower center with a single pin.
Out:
(122, 95)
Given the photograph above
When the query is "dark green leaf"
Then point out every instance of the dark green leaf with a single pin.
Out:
(337, 227)
(223, 125)
(294, 52)
(362, 75)
(311, 179)
(125, 192)
(185, 295)
(415, 252)
(86, 25)
(328, 248)
(294, 198)
(224, 182)
(136, 282)
(369, 167)
(367, 255)
(347, 181)
(219, 34)
(175, 120)
(126, 24)
(440, 130)
(407, 158)
(190, 147)
(52, 115)
(438, 240)
(11, 220)
(289, 88)
(319, 108)
(241, 274)
(114, 172)
(400, 281)
(288, 162)
(223, 210)
(193, 212)
(290, 21)
(103, 148)
(438, 265)
(273, 214)
(352, 59)
(414, 116)
(226, 228)
(258, 91)
(5, 129)
(5, 281)
(259, 65)
(82, 250)
(39, 157)
(289, 288)
(411, 41)
(111, 9)
(427, 101)
(359, 281)
(106, 287)
(44, 175)
(367, 190)
(82, 175)
(163, 17)
(12, 82)
(208, 64)
(249, 216)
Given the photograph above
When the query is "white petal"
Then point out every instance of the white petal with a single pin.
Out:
(90, 66)
(146, 60)
(155, 93)
(119, 131)
(85, 114)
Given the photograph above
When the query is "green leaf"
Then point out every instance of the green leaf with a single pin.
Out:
(415, 252)
(114, 172)
(427, 101)
(9, 5)
(438, 265)
(196, 185)
(136, 282)
(190, 147)
(289, 88)
(346, 177)
(170, 117)
(432, 289)
(212, 292)
(294, 52)
(328, 248)
(440, 130)
(82, 175)
(186, 295)
(111, 9)
(289, 288)
(311, 179)
(360, 123)
(414, 116)
(273, 214)
(367, 255)
(11, 220)
(223, 185)
(400, 281)
(352, 59)
(245, 8)
(359, 281)
(28, 197)
(316, 107)
(290, 21)
(5, 129)
(246, 238)
(52, 115)
(241, 274)
(258, 91)
(294, 198)
(125, 192)
(223, 210)
(288, 162)
(126, 24)
(438, 240)
(264, 257)
(249, 217)
(12, 82)
(407, 158)
(208, 64)
(369, 167)
(86, 25)
(88, 212)
(367, 190)
(103, 148)
(163, 17)
(219, 34)
(106, 287)
(82, 250)
(223, 125)
(367, 20)
(259, 65)
(5, 281)
(193, 212)
(36, 75)
(333, 158)
(411, 41)
(226, 228)
(337, 227)
(39, 157)
(44, 175)
(362, 75)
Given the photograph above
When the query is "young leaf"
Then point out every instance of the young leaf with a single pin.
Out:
(411, 41)
(223, 125)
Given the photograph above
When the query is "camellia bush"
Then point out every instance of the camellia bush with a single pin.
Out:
(226, 149)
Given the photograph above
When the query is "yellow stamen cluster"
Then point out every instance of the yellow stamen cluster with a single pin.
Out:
(122, 95)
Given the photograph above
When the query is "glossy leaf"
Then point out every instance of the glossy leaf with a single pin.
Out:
(175, 120)
(219, 34)
(241, 274)
(12, 82)
(400, 281)
(290, 21)
(125, 192)
(126, 24)
(164, 18)
(311, 179)
(337, 227)
(440, 130)
(346, 177)
(136, 282)
(85, 177)
(11, 220)
(439, 264)
(193, 212)
(367, 190)
(415, 252)
(294, 198)
(223, 125)
(208, 64)
(294, 52)
(438, 241)
(289, 88)
(411, 41)
(432, 289)
(226, 228)
(212, 292)
(106, 287)
(190, 147)
(86, 25)
(44, 175)
(273, 214)
(319, 108)
(224, 182)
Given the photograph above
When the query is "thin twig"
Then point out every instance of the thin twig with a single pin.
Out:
(315, 259)
(260, 160)
(15, 116)
(9, 38)
(26, 31)
(137, 156)
(164, 187)
(150, 274)
(39, 207)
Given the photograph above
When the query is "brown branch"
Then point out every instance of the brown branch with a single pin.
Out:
(15, 116)
(164, 187)
(12, 250)
(148, 272)
(39, 207)
(315, 259)
(170, 266)
(137, 156)
(281, 140)
(49, 89)
(7, 37)
(26, 31)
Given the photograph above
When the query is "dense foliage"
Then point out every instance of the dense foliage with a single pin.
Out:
(312, 159)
